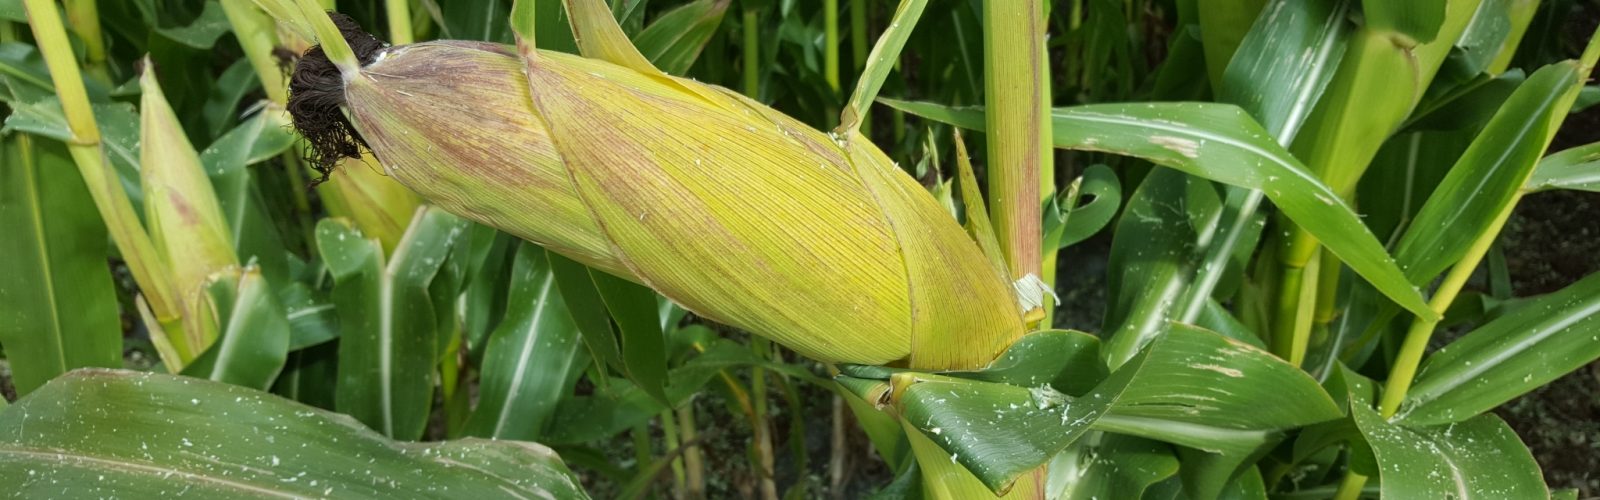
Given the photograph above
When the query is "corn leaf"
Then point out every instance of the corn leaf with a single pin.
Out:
(1218, 142)
(533, 357)
(1480, 457)
(1418, 20)
(483, 20)
(1285, 62)
(1153, 258)
(387, 318)
(119, 134)
(1066, 222)
(996, 431)
(1110, 466)
(56, 293)
(623, 405)
(253, 331)
(306, 374)
(111, 432)
(588, 311)
(312, 318)
(255, 237)
(1224, 24)
(1189, 387)
(673, 41)
(1577, 168)
(1527, 348)
(1487, 178)
(644, 353)
(203, 32)
(885, 55)
(600, 37)
(1205, 391)
(1067, 360)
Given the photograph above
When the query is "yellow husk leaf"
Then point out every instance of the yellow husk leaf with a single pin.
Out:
(737, 212)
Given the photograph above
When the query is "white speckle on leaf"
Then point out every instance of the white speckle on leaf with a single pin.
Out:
(1231, 372)
(1186, 147)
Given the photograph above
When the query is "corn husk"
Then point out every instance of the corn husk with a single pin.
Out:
(729, 208)
(184, 220)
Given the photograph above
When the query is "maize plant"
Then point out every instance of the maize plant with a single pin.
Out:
(515, 248)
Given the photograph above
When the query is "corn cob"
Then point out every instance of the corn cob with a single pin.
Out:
(729, 208)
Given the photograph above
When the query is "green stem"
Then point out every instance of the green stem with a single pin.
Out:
(1416, 340)
(116, 210)
(1297, 301)
(333, 43)
(693, 461)
(669, 433)
(762, 430)
(522, 21)
(256, 35)
(752, 54)
(1018, 147)
(830, 44)
(84, 17)
(858, 49)
(642, 452)
(1350, 487)
(399, 14)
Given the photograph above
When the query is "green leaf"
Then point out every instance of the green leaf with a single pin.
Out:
(253, 340)
(1538, 342)
(1068, 223)
(1199, 389)
(204, 31)
(222, 106)
(483, 20)
(1285, 62)
(1576, 168)
(1189, 387)
(1468, 105)
(1223, 26)
(119, 134)
(644, 353)
(1418, 21)
(1067, 360)
(674, 40)
(388, 342)
(1218, 142)
(883, 59)
(110, 432)
(587, 310)
(1480, 457)
(313, 319)
(533, 357)
(56, 293)
(1109, 466)
(1153, 258)
(1488, 177)
(11, 10)
(24, 72)
(255, 235)
(997, 431)
(623, 405)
